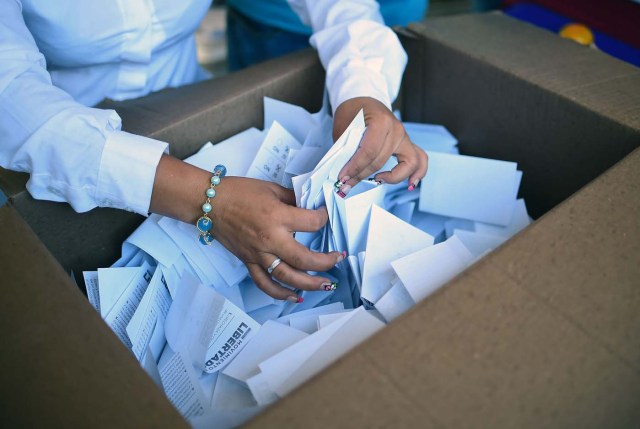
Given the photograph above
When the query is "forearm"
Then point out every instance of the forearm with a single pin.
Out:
(362, 56)
(178, 189)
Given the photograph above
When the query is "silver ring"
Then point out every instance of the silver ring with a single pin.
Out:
(273, 265)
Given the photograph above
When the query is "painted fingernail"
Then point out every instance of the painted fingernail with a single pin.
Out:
(330, 286)
(411, 187)
(340, 183)
(344, 254)
(377, 181)
(344, 190)
(295, 299)
(340, 258)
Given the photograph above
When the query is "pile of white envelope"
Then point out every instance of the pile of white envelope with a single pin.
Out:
(221, 348)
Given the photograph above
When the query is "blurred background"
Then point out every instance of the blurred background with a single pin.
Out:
(612, 26)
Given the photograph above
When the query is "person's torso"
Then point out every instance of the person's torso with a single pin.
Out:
(116, 48)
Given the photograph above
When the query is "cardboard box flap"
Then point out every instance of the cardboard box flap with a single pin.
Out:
(59, 359)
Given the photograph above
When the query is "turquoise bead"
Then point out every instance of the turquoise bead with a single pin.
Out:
(215, 180)
(211, 192)
(204, 224)
(206, 207)
(221, 169)
(205, 239)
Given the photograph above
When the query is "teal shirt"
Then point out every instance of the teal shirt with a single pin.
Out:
(278, 14)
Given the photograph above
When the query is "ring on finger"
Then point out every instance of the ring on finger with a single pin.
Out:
(273, 265)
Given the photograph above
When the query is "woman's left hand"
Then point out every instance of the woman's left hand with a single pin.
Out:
(385, 137)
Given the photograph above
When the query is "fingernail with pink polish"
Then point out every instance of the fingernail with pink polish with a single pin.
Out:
(330, 286)
(340, 183)
(295, 299)
(411, 187)
(344, 190)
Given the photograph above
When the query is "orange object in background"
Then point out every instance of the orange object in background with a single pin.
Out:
(578, 33)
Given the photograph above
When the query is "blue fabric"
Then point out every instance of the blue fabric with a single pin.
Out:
(250, 42)
(554, 22)
(278, 14)
(265, 29)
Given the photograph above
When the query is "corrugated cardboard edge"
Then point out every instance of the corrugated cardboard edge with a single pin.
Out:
(58, 358)
(468, 73)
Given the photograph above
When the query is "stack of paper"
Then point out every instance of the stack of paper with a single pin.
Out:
(220, 347)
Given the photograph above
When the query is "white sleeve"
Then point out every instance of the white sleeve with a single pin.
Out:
(362, 56)
(74, 153)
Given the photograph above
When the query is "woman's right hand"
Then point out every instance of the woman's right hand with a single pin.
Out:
(255, 220)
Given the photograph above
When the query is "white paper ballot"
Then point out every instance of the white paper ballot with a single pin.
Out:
(208, 384)
(269, 312)
(234, 328)
(470, 188)
(395, 302)
(388, 239)
(431, 138)
(122, 311)
(112, 283)
(307, 324)
(325, 320)
(269, 163)
(434, 225)
(519, 221)
(354, 212)
(93, 291)
(270, 339)
(232, 152)
(230, 394)
(316, 311)
(253, 297)
(261, 390)
(345, 334)
(294, 119)
(452, 224)
(424, 271)
(181, 384)
(193, 251)
(478, 243)
(150, 316)
(154, 241)
(332, 162)
(192, 318)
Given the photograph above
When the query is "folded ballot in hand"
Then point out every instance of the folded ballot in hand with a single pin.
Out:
(220, 347)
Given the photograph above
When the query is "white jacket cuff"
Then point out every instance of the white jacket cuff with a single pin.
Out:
(127, 171)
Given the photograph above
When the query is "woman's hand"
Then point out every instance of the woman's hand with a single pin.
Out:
(255, 220)
(385, 136)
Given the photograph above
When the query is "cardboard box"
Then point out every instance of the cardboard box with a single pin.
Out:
(543, 332)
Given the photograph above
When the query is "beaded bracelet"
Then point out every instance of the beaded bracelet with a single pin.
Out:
(204, 223)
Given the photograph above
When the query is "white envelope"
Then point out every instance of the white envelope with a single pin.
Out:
(469, 188)
(271, 338)
(388, 239)
(426, 270)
